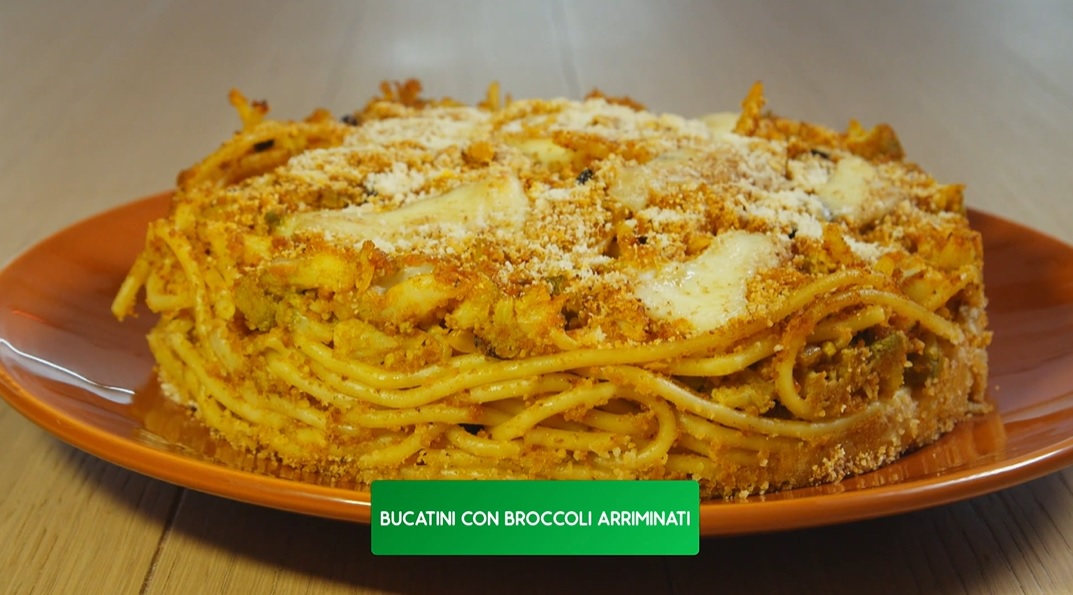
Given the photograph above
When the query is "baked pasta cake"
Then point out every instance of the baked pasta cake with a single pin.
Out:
(565, 289)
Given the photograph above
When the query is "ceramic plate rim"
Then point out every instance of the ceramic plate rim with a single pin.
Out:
(717, 518)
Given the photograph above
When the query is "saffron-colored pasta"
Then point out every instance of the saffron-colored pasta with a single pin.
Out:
(566, 289)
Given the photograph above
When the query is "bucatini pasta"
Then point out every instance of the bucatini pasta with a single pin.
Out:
(565, 289)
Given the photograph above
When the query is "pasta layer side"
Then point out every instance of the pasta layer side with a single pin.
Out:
(566, 289)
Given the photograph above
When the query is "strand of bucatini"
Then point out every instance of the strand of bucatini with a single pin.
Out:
(348, 385)
(824, 379)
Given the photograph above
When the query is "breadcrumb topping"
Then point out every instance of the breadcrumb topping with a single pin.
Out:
(593, 197)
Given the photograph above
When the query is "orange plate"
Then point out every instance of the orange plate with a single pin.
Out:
(66, 364)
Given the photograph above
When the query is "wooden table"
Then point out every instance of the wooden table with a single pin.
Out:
(103, 102)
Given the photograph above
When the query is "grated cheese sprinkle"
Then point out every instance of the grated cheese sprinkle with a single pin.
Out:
(611, 194)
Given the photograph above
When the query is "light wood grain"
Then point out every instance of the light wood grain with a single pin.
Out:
(104, 102)
(267, 551)
(70, 520)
